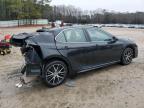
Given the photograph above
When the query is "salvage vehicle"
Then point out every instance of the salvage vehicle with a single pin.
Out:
(54, 54)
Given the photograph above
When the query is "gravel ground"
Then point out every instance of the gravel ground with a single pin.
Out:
(115, 86)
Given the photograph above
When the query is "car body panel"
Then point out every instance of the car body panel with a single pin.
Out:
(79, 56)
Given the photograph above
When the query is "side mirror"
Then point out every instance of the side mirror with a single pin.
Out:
(115, 39)
(112, 40)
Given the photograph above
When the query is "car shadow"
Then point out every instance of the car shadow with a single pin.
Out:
(38, 84)
(97, 71)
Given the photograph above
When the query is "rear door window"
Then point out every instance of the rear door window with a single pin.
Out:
(61, 37)
(75, 35)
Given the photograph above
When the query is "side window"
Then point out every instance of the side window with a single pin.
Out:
(75, 35)
(97, 35)
(61, 38)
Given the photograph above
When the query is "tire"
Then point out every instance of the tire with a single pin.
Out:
(127, 56)
(55, 73)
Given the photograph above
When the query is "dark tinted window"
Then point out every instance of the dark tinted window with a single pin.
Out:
(98, 35)
(75, 35)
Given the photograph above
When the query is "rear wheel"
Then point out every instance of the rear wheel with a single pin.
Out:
(55, 73)
(127, 56)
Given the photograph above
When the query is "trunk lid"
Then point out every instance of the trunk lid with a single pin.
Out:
(19, 40)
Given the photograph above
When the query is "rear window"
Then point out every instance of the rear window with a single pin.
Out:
(44, 37)
(61, 37)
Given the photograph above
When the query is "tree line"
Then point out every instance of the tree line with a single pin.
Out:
(72, 14)
(28, 10)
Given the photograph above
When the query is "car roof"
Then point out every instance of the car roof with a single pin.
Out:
(57, 30)
(69, 27)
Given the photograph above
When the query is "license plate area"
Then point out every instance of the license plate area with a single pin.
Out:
(33, 70)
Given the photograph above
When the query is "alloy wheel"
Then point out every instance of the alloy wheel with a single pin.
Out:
(55, 74)
(128, 55)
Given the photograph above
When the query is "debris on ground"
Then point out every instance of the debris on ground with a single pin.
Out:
(70, 83)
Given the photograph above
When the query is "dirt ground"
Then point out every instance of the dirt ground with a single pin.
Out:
(113, 87)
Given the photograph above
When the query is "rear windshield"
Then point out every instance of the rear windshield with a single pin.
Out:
(55, 31)
(44, 37)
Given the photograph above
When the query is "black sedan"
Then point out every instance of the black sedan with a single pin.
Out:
(54, 54)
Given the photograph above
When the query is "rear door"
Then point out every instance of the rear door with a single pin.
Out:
(74, 45)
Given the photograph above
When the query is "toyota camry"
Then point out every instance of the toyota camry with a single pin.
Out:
(54, 54)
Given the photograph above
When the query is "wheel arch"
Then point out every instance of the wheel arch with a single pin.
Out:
(60, 58)
(132, 47)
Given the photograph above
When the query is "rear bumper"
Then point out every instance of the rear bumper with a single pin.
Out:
(33, 70)
(32, 62)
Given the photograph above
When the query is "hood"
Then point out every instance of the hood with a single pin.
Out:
(126, 39)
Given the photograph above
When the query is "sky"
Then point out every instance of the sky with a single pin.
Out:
(116, 5)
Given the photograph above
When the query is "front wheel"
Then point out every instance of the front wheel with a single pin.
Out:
(127, 56)
(55, 73)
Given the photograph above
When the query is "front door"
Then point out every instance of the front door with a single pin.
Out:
(107, 50)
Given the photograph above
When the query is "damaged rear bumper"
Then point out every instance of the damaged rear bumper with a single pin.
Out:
(32, 65)
(31, 70)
